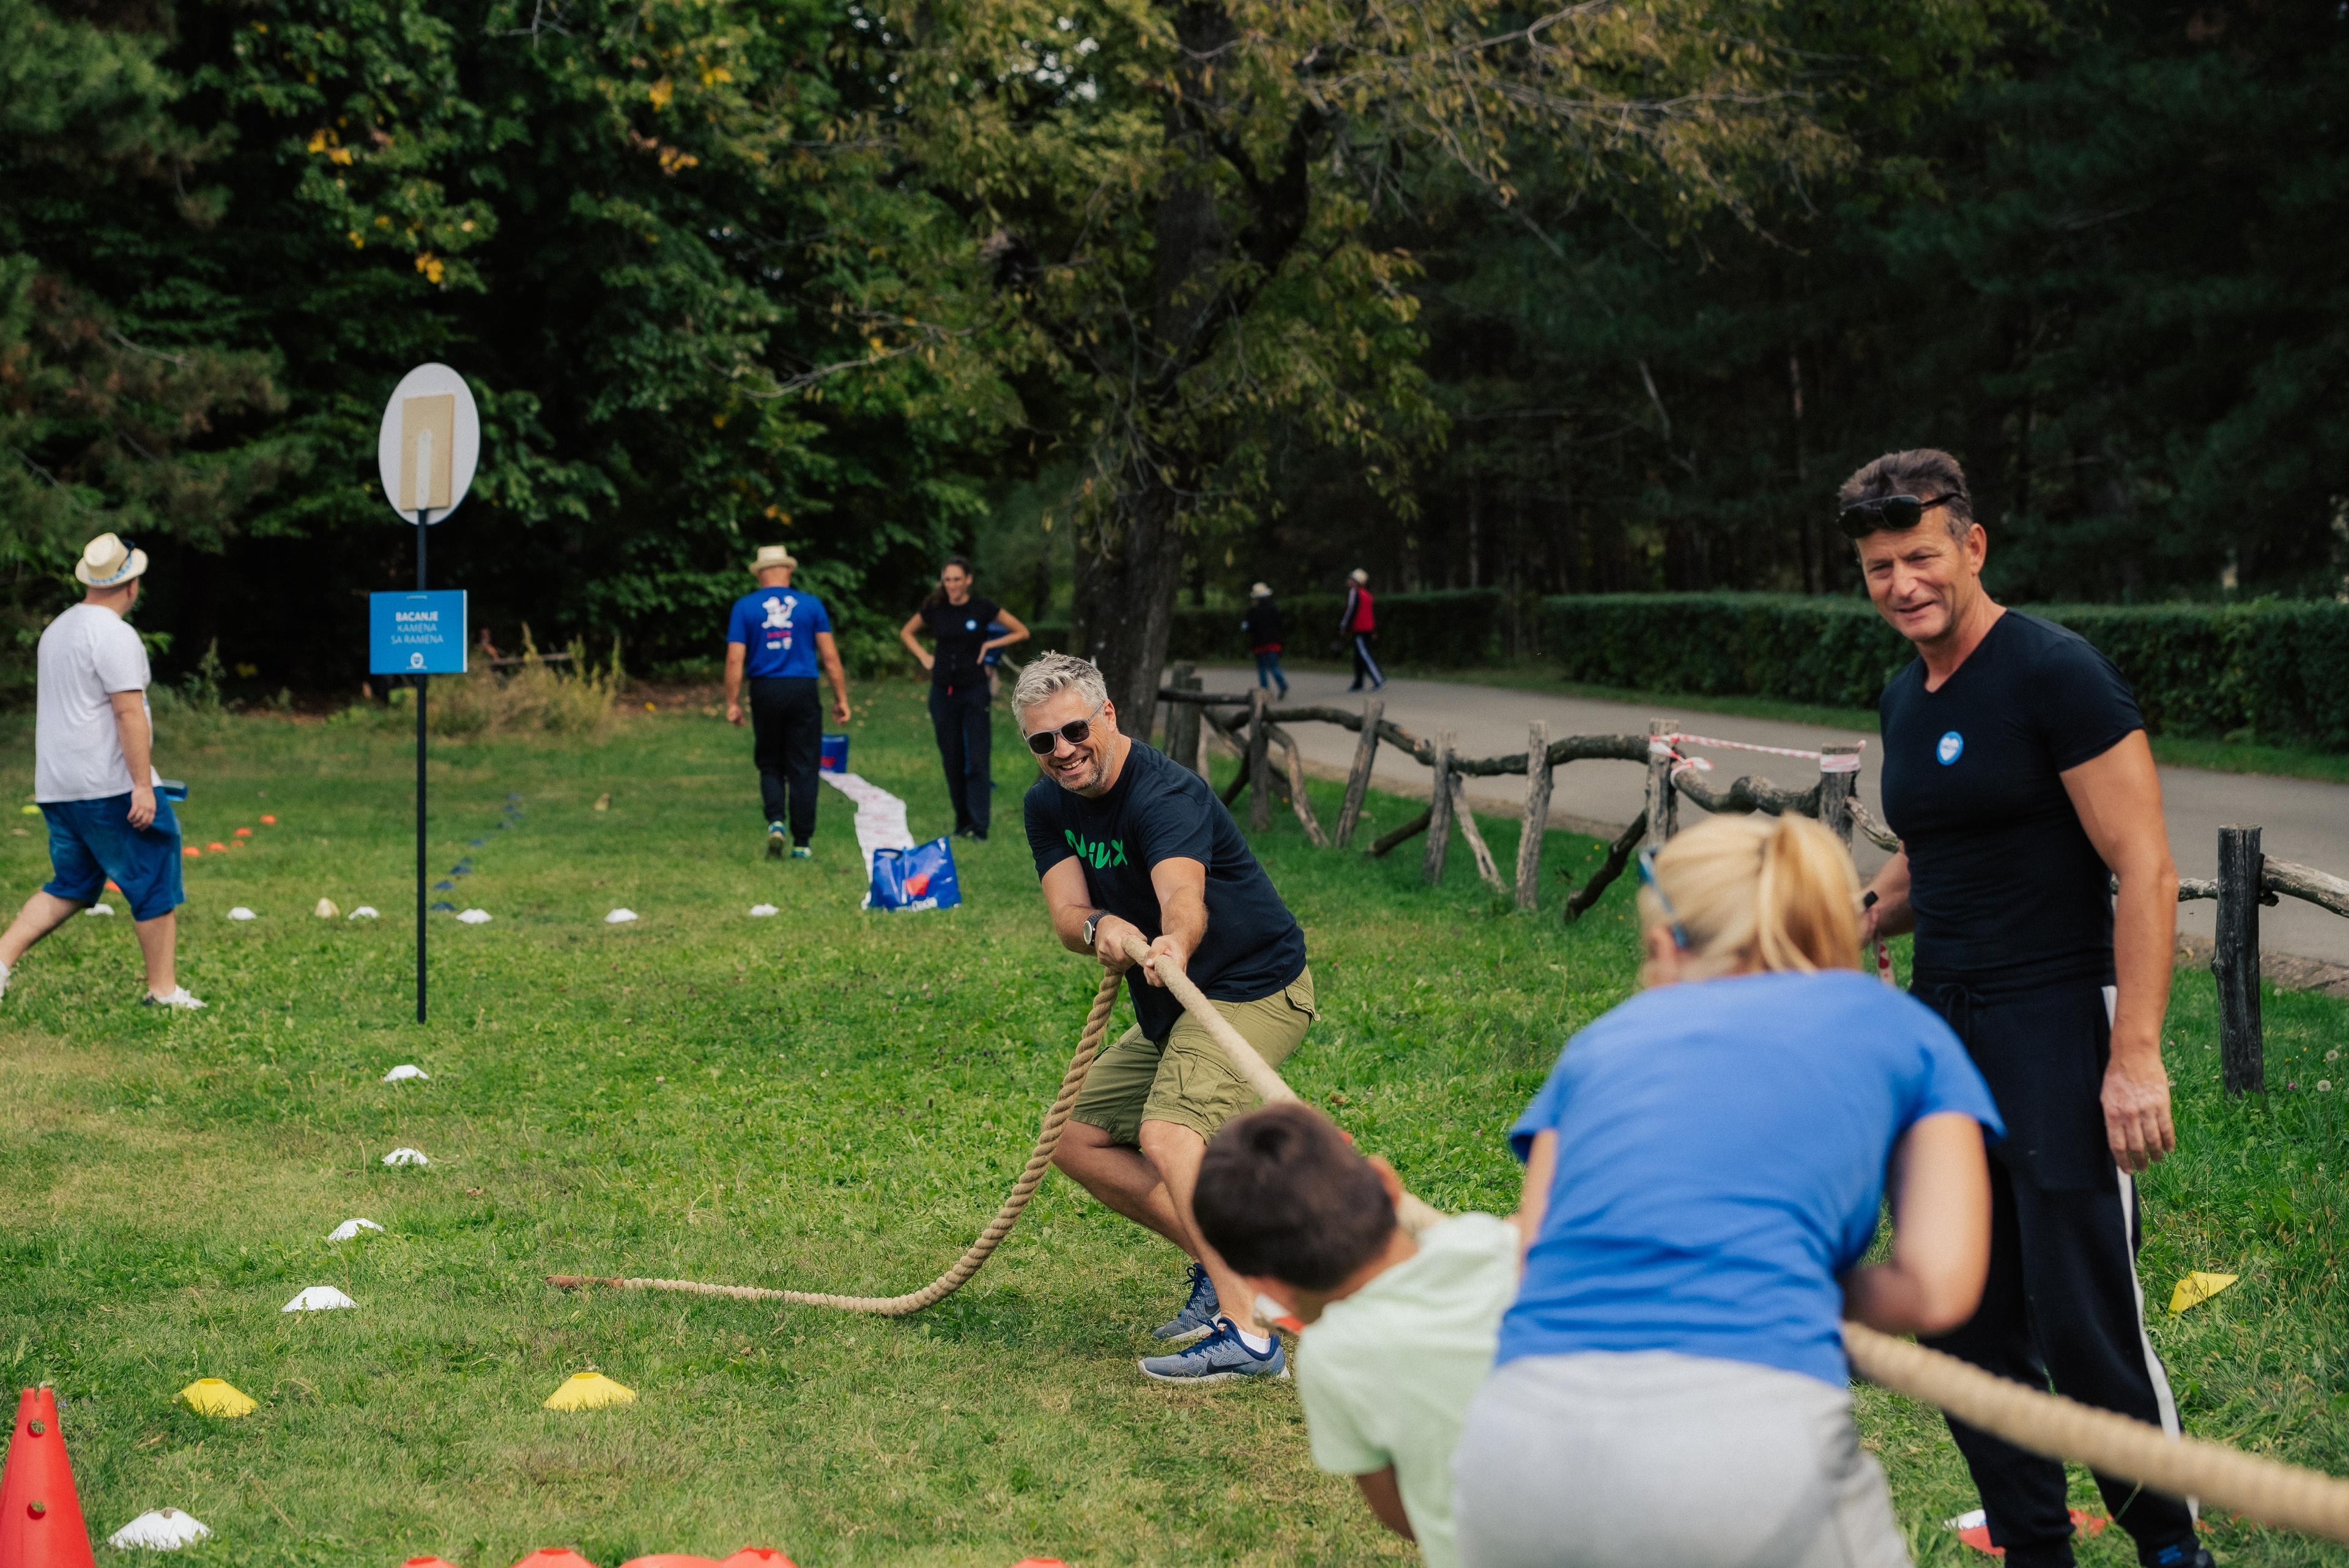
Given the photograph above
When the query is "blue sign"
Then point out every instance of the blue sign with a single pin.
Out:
(416, 634)
(1951, 747)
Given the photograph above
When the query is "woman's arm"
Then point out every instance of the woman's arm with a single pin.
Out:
(1533, 1198)
(1940, 1183)
(905, 636)
(1385, 1494)
(1017, 633)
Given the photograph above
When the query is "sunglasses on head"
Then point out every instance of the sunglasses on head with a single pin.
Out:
(1889, 513)
(1074, 732)
(1648, 877)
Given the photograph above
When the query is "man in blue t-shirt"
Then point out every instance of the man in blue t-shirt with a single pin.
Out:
(2017, 773)
(775, 636)
(1129, 844)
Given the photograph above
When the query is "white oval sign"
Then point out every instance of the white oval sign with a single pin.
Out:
(430, 443)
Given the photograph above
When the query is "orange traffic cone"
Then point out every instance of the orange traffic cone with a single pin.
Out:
(40, 1518)
(552, 1557)
(427, 1563)
(757, 1557)
(670, 1560)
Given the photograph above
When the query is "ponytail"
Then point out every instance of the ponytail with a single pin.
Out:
(1767, 893)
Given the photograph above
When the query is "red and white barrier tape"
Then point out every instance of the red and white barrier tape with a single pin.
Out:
(1669, 746)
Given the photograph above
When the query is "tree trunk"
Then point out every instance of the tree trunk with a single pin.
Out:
(1125, 598)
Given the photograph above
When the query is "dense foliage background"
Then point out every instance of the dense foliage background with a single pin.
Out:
(2090, 246)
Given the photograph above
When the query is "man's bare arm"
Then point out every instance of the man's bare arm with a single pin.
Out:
(1182, 888)
(829, 651)
(2119, 797)
(138, 751)
(1891, 914)
(734, 653)
(1385, 1494)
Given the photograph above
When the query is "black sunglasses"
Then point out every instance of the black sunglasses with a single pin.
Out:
(1889, 513)
(1074, 732)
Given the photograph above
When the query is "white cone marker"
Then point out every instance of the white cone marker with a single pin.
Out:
(620, 917)
(160, 1530)
(318, 1298)
(763, 910)
(348, 1229)
(474, 917)
(406, 1156)
(404, 1070)
(100, 909)
(241, 913)
(364, 912)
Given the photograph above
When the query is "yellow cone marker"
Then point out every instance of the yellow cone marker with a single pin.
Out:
(588, 1391)
(2197, 1288)
(216, 1397)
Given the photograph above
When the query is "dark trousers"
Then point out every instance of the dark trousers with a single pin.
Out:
(1267, 670)
(786, 741)
(2061, 1306)
(965, 722)
(1366, 666)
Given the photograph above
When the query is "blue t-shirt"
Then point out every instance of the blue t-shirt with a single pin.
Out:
(777, 628)
(1722, 1149)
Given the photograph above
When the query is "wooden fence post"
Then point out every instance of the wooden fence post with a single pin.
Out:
(1839, 780)
(1663, 800)
(1298, 799)
(1259, 768)
(1182, 719)
(1194, 752)
(1537, 818)
(1439, 813)
(1463, 816)
(1358, 781)
(2235, 960)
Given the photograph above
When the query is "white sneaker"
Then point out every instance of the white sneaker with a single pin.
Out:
(179, 999)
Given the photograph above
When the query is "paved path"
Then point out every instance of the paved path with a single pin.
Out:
(2304, 820)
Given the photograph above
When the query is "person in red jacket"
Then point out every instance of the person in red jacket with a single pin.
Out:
(1356, 627)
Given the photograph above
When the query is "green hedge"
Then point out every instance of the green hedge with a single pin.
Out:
(2278, 669)
(1443, 630)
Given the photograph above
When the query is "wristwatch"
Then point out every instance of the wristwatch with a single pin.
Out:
(1092, 924)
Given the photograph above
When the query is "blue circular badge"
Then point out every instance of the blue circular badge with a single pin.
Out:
(970, 626)
(1951, 747)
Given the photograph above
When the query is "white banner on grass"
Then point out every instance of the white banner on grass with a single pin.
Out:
(880, 819)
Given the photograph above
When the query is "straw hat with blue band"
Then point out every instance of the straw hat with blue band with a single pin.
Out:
(108, 563)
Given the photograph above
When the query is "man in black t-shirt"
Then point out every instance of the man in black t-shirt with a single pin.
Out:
(2017, 775)
(1129, 844)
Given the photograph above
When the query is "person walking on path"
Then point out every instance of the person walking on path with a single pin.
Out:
(2017, 773)
(960, 710)
(774, 637)
(1129, 844)
(1358, 627)
(94, 777)
(1705, 1169)
(1263, 629)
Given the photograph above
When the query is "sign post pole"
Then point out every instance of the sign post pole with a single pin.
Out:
(427, 451)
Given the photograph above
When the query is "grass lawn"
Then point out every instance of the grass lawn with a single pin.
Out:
(826, 1099)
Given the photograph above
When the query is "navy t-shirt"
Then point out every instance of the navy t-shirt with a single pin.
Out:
(1159, 811)
(777, 628)
(2006, 885)
(1720, 1158)
(959, 629)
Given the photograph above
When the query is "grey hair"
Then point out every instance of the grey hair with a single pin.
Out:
(1049, 673)
(1923, 472)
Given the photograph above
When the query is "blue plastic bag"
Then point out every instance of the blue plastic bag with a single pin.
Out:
(922, 877)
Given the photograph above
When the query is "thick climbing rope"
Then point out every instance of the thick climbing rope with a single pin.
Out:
(1047, 1138)
(2268, 1490)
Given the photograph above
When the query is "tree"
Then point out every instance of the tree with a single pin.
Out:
(1155, 240)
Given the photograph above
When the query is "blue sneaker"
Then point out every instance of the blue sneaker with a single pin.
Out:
(1198, 1313)
(1220, 1357)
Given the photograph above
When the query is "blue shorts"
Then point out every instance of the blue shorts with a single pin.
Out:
(92, 840)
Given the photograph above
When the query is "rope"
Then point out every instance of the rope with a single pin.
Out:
(1668, 746)
(2287, 1497)
(1047, 1138)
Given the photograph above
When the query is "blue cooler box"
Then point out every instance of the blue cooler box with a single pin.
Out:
(835, 754)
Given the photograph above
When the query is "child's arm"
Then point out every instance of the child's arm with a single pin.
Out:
(1384, 1495)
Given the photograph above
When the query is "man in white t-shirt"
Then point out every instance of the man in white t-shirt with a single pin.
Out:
(94, 777)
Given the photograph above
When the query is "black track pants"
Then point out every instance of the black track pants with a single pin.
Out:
(2061, 1306)
(786, 740)
(965, 723)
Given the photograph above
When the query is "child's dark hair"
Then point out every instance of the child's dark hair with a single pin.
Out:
(1281, 1193)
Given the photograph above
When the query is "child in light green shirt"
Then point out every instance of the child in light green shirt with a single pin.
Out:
(1399, 1332)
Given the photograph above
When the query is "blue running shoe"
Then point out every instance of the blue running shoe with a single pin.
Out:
(1198, 1313)
(1220, 1357)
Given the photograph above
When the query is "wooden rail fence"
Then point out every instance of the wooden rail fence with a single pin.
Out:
(1252, 726)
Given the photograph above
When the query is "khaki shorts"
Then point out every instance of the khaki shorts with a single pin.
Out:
(1186, 1078)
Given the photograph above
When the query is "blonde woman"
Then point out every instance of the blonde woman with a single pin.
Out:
(1704, 1172)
